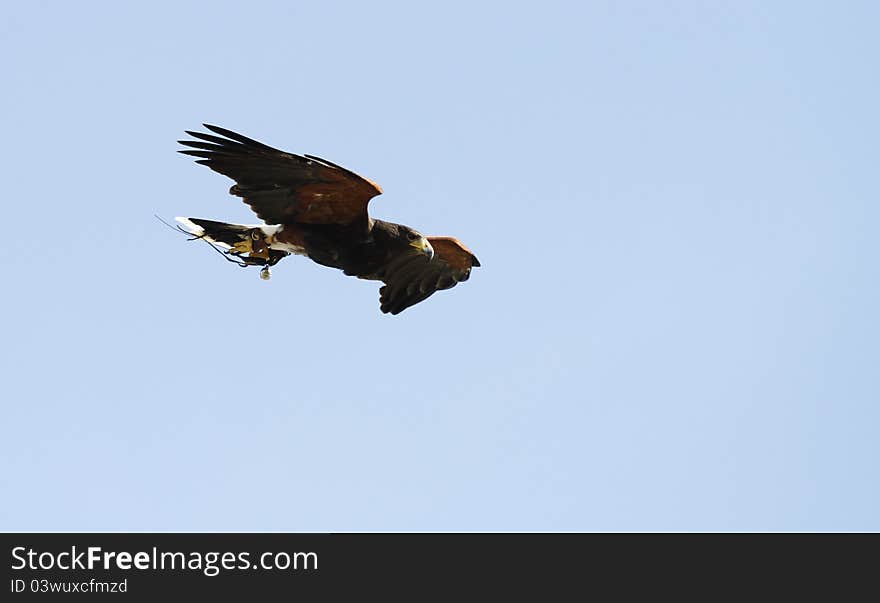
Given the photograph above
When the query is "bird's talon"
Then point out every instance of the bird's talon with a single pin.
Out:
(242, 247)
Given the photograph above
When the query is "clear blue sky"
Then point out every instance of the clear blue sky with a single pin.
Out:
(675, 326)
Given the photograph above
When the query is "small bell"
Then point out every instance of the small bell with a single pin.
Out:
(265, 273)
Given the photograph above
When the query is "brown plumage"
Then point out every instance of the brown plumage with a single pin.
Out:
(317, 208)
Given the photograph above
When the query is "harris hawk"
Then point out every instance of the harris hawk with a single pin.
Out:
(313, 207)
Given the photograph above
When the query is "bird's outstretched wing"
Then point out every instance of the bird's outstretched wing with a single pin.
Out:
(411, 278)
(283, 188)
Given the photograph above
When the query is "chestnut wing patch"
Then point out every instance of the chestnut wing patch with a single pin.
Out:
(281, 187)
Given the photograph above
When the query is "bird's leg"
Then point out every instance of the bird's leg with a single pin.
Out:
(259, 244)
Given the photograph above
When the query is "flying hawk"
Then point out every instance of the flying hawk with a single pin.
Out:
(316, 208)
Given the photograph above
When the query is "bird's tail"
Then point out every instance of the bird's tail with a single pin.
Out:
(249, 244)
(222, 234)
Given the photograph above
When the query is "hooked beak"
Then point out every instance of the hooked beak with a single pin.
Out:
(424, 246)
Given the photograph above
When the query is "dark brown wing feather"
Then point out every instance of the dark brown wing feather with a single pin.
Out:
(283, 188)
(412, 278)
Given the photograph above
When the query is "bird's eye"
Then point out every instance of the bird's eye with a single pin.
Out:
(412, 236)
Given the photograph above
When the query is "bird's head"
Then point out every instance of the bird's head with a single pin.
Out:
(418, 241)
